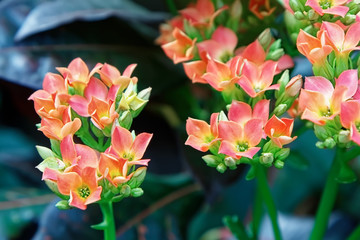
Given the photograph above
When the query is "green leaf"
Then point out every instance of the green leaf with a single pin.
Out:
(236, 227)
(346, 174)
(251, 173)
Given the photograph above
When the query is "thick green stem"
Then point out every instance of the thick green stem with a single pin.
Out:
(268, 200)
(108, 225)
(355, 235)
(327, 199)
(257, 212)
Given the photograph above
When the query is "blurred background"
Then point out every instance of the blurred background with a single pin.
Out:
(184, 199)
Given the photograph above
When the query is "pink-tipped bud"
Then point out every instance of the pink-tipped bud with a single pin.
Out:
(293, 87)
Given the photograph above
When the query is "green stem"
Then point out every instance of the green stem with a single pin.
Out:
(257, 212)
(327, 199)
(355, 234)
(268, 200)
(108, 224)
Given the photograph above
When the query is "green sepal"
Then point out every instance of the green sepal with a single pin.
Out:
(346, 174)
(137, 178)
(44, 152)
(126, 119)
(63, 205)
(55, 146)
(100, 226)
(137, 192)
(97, 132)
(52, 163)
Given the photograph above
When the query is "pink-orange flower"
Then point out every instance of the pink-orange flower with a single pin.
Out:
(202, 14)
(166, 30)
(114, 169)
(55, 128)
(320, 101)
(181, 49)
(261, 8)
(124, 146)
(240, 141)
(111, 76)
(255, 80)
(77, 74)
(315, 49)
(195, 70)
(222, 76)
(241, 112)
(350, 118)
(334, 7)
(201, 134)
(279, 130)
(221, 46)
(342, 43)
(81, 185)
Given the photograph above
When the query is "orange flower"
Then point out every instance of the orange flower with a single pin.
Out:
(279, 130)
(261, 8)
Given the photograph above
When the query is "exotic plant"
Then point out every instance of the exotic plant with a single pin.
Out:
(94, 157)
(211, 40)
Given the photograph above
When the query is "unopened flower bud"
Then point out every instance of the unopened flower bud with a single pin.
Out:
(126, 119)
(299, 15)
(320, 144)
(282, 154)
(44, 152)
(279, 164)
(137, 192)
(266, 159)
(349, 19)
(221, 168)
(280, 110)
(137, 178)
(236, 10)
(230, 162)
(211, 160)
(125, 190)
(294, 86)
(222, 116)
(265, 38)
(63, 205)
(296, 5)
(329, 143)
(312, 15)
(344, 136)
(145, 94)
(275, 55)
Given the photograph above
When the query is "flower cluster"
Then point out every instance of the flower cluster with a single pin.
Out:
(94, 108)
(244, 75)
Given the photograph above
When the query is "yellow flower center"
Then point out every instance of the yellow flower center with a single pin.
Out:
(84, 191)
(326, 112)
(242, 146)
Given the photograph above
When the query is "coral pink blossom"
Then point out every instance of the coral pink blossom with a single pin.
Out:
(166, 30)
(261, 8)
(111, 76)
(114, 169)
(201, 134)
(240, 141)
(181, 49)
(221, 46)
(320, 101)
(202, 14)
(81, 185)
(241, 112)
(255, 80)
(124, 146)
(195, 70)
(279, 130)
(342, 43)
(77, 74)
(334, 7)
(350, 118)
(315, 49)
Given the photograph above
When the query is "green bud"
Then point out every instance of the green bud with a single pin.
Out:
(137, 192)
(275, 46)
(299, 15)
(52, 163)
(145, 94)
(230, 162)
(63, 205)
(211, 160)
(221, 168)
(279, 164)
(126, 119)
(344, 136)
(329, 143)
(280, 110)
(319, 144)
(312, 15)
(296, 5)
(275, 55)
(282, 154)
(350, 19)
(137, 178)
(222, 116)
(236, 10)
(97, 132)
(321, 132)
(265, 38)
(266, 159)
(125, 190)
(354, 8)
